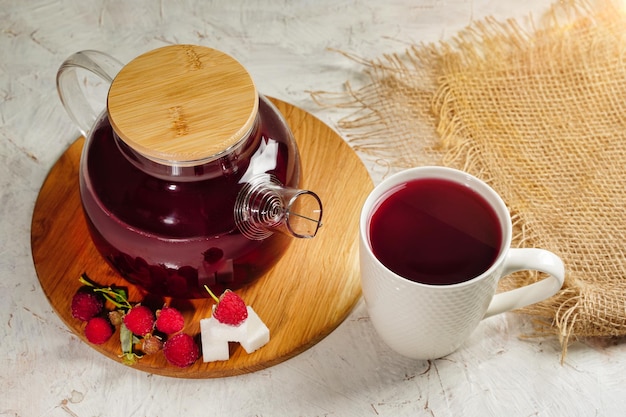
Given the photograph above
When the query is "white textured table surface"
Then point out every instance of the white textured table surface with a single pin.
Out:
(46, 371)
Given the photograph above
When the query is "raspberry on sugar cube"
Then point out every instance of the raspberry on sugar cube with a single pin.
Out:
(212, 348)
(257, 333)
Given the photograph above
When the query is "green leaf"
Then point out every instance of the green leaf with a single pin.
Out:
(127, 341)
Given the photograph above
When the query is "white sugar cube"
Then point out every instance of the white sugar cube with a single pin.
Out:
(257, 333)
(212, 349)
(252, 334)
(227, 332)
(215, 351)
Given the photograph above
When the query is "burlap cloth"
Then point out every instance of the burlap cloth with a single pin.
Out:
(540, 114)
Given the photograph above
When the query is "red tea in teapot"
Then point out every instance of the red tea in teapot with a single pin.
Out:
(173, 236)
(189, 177)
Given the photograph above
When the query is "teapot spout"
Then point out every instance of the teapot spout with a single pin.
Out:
(265, 206)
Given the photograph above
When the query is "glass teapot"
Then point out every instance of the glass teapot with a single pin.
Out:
(189, 177)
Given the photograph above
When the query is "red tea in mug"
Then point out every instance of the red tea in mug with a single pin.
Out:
(435, 231)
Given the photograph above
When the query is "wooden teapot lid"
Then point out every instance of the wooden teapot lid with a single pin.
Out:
(182, 104)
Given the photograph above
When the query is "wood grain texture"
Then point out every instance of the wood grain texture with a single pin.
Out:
(302, 299)
(182, 103)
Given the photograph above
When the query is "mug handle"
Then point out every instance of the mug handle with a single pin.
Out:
(69, 87)
(519, 259)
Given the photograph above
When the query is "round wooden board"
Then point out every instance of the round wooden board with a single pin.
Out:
(302, 299)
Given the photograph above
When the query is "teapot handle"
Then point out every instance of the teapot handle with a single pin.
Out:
(73, 97)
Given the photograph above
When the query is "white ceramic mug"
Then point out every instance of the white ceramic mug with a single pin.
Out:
(425, 321)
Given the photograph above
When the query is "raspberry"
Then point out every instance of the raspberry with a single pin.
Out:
(230, 309)
(169, 320)
(86, 304)
(98, 330)
(181, 350)
(139, 320)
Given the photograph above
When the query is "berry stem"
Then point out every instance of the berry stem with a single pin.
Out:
(116, 296)
(213, 296)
